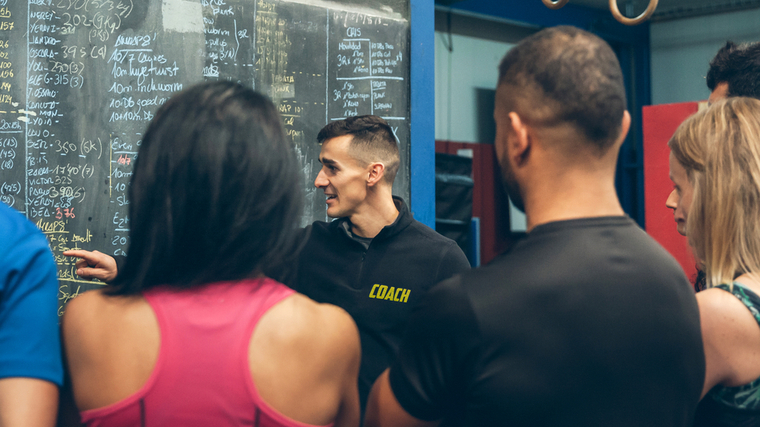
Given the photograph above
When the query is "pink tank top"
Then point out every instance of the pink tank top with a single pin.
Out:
(202, 375)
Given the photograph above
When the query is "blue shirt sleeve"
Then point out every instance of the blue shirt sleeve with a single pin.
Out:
(30, 343)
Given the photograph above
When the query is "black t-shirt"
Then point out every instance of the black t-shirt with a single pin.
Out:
(585, 322)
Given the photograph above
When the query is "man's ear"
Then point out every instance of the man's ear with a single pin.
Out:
(625, 125)
(375, 174)
(519, 146)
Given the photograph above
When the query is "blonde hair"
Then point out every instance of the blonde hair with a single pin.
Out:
(720, 149)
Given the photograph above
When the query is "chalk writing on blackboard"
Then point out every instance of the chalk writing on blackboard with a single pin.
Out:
(81, 79)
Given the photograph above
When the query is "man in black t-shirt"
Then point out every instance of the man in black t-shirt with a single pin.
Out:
(587, 321)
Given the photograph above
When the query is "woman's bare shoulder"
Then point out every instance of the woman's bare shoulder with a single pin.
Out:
(302, 322)
(93, 319)
(82, 314)
(111, 345)
(731, 338)
(89, 310)
(720, 306)
(722, 315)
(303, 357)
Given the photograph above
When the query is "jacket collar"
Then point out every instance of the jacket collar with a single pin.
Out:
(402, 221)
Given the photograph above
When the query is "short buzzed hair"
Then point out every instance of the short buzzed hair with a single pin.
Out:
(739, 66)
(564, 75)
(373, 140)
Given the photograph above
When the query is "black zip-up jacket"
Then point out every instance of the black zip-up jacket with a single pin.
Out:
(378, 285)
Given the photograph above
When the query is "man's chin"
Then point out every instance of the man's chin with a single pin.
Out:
(334, 213)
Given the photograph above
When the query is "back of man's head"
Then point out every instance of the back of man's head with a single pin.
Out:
(566, 76)
(739, 67)
(373, 141)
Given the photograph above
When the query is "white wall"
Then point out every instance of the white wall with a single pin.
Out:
(472, 64)
(682, 50)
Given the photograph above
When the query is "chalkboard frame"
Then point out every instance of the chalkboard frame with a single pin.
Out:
(422, 111)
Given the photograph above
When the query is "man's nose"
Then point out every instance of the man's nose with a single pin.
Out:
(321, 181)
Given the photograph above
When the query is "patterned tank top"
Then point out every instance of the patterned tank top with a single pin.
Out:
(733, 406)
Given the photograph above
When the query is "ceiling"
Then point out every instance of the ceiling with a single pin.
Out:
(666, 9)
(674, 9)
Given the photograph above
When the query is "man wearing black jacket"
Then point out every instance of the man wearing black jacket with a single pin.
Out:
(375, 260)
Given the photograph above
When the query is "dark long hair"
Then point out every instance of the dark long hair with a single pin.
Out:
(214, 195)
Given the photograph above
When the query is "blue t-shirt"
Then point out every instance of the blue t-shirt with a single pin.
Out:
(30, 344)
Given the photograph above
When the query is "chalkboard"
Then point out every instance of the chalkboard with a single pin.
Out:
(81, 79)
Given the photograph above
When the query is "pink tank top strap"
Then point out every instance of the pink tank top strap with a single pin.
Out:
(207, 335)
(202, 374)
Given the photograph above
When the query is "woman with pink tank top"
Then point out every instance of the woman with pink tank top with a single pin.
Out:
(192, 332)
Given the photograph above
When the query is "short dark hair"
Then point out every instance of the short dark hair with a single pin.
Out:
(214, 194)
(373, 140)
(567, 75)
(739, 66)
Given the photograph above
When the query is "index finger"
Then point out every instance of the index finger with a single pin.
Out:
(78, 253)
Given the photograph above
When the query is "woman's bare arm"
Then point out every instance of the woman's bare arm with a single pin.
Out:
(731, 340)
(304, 358)
(28, 402)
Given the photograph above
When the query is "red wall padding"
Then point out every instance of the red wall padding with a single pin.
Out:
(660, 122)
(489, 203)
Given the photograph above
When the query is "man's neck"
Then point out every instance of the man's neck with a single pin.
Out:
(377, 211)
(572, 195)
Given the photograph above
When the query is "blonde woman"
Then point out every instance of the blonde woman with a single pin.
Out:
(718, 149)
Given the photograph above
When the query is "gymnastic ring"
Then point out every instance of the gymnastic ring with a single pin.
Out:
(554, 5)
(632, 21)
